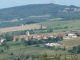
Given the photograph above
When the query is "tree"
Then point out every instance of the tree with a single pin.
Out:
(37, 45)
(2, 50)
(49, 40)
(61, 38)
(65, 27)
(78, 34)
(9, 38)
(31, 31)
(64, 48)
(78, 49)
(75, 49)
(17, 39)
(33, 57)
(41, 27)
(22, 39)
(57, 39)
(27, 57)
(40, 42)
(5, 45)
(43, 57)
(30, 42)
(21, 54)
(36, 42)
(50, 30)
(12, 53)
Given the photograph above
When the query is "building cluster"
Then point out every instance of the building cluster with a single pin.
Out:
(28, 37)
(46, 36)
(53, 44)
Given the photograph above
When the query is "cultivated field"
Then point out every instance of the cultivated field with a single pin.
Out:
(19, 28)
(33, 50)
(15, 47)
(28, 50)
(69, 43)
(61, 25)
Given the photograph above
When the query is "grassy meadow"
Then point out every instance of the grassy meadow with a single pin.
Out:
(27, 50)
(54, 23)
(16, 47)
(71, 42)
(72, 25)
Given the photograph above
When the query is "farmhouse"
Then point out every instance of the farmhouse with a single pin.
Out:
(2, 40)
(70, 35)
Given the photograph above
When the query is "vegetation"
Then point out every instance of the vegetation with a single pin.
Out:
(36, 13)
(75, 49)
(60, 26)
(53, 26)
(57, 57)
(66, 21)
(32, 51)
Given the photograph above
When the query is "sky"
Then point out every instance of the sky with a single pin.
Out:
(13, 3)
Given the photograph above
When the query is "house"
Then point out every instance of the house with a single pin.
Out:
(72, 35)
(2, 40)
(66, 37)
(37, 37)
(26, 38)
(15, 37)
(45, 37)
(30, 37)
(20, 37)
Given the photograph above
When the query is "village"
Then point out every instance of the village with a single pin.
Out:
(28, 37)
(44, 36)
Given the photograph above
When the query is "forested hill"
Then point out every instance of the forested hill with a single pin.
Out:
(50, 10)
(33, 13)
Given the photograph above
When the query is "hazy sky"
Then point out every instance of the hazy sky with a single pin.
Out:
(12, 3)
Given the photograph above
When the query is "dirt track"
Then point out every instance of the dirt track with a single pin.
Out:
(19, 28)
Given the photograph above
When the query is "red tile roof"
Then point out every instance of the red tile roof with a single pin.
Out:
(16, 37)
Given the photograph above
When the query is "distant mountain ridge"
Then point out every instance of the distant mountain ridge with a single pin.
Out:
(36, 13)
(53, 10)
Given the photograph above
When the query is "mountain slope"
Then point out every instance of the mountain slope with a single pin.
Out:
(34, 10)
(37, 13)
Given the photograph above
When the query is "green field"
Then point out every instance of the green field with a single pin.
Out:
(71, 42)
(72, 25)
(55, 23)
(33, 50)
(28, 50)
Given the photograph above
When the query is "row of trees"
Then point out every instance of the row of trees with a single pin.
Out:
(48, 57)
(56, 39)
(75, 49)
(57, 57)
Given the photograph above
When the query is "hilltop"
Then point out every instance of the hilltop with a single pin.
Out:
(36, 13)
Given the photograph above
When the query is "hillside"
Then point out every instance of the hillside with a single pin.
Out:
(60, 26)
(37, 13)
